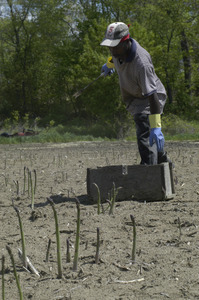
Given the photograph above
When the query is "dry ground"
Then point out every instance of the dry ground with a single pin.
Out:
(167, 256)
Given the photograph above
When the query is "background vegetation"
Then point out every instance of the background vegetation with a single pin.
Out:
(50, 49)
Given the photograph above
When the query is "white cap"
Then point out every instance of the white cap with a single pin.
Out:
(114, 34)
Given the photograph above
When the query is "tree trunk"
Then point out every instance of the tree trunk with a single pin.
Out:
(186, 61)
(168, 86)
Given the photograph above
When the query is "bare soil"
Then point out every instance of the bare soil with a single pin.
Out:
(167, 248)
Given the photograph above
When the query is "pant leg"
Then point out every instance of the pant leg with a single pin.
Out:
(148, 154)
(162, 157)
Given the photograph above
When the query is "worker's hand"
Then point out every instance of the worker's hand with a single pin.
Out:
(106, 70)
(157, 136)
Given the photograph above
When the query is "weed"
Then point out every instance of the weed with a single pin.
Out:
(3, 272)
(75, 261)
(15, 272)
(59, 264)
(134, 239)
(22, 236)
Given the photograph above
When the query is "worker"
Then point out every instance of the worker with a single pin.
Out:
(142, 91)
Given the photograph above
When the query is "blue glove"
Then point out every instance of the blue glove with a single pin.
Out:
(156, 134)
(106, 70)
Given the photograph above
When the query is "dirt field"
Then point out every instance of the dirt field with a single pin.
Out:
(167, 250)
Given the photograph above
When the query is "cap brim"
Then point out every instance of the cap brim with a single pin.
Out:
(110, 43)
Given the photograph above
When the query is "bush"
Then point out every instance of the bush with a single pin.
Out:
(172, 125)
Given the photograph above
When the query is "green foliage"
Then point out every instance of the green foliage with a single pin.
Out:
(173, 125)
(15, 117)
(174, 128)
(173, 24)
(17, 124)
(26, 121)
(102, 98)
(51, 49)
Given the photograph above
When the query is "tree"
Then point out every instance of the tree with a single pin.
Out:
(33, 36)
(173, 26)
(50, 49)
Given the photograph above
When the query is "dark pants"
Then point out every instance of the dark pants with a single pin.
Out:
(148, 154)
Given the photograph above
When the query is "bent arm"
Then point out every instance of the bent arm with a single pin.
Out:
(154, 104)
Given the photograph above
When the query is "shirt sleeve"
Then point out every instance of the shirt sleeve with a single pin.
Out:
(147, 80)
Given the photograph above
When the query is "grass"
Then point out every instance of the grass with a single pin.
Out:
(182, 137)
(173, 127)
(179, 129)
(51, 136)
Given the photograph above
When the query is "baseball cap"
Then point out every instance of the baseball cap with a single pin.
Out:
(115, 33)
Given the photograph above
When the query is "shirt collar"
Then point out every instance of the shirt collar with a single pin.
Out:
(132, 52)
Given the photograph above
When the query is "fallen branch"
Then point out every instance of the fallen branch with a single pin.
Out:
(129, 281)
(122, 268)
(29, 264)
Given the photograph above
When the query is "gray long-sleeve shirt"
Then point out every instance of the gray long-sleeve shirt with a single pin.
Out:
(138, 80)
